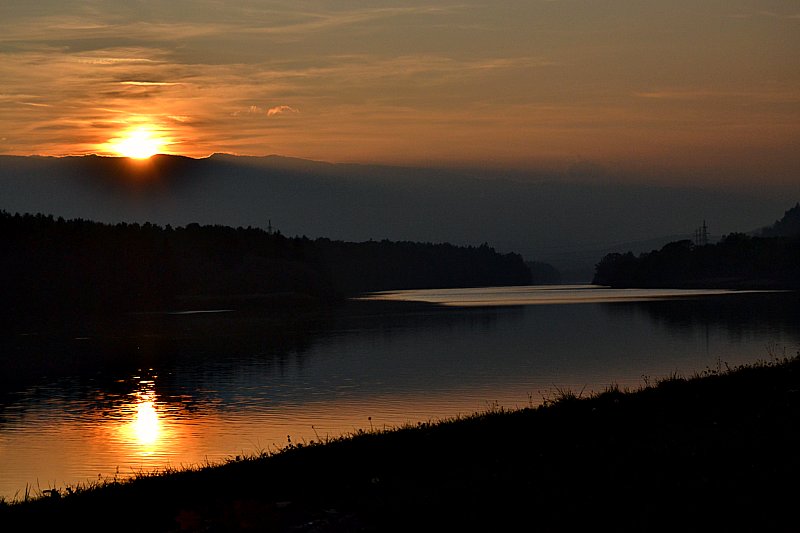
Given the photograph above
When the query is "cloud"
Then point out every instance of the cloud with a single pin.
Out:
(280, 110)
(333, 20)
(251, 110)
(285, 23)
(765, 14)
(678, 94)
(766, 94)
(149, 83)
(112, 60)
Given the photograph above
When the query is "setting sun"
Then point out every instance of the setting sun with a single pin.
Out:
(138, 143)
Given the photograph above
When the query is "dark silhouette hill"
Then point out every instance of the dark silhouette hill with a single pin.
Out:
(546, 216)
(543, 273)
(787, 226)
(736, 261)
(52, 266)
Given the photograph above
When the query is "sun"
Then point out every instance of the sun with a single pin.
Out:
(138, 143)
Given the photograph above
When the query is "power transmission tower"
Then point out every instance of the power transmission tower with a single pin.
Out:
(701, 235)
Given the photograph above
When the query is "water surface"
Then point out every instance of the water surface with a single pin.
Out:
(543, 295)
(183, 389)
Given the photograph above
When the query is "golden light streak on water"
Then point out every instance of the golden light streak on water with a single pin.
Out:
(143, 427)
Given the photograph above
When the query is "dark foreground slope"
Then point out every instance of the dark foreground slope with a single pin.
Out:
(717, 453)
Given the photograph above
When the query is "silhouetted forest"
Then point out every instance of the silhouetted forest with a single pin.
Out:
(737, 261)
(385, 265)
(56, 266)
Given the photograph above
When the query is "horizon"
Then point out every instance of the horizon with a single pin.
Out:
(694, 94)
(579, 173)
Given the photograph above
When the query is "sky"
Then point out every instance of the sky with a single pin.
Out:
(685, 90)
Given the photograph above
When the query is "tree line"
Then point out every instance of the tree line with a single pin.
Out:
(56, 266)
(768, 260)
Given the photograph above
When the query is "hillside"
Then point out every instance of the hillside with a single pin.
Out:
(787, 226)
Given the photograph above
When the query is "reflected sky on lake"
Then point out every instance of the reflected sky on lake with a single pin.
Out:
(542, 295)
(237, 390)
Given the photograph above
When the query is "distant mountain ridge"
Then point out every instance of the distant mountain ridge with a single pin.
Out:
(542, 216)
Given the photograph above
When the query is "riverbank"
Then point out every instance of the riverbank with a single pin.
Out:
(717, 452)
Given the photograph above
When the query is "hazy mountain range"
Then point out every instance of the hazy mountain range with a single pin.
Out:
(569, 223)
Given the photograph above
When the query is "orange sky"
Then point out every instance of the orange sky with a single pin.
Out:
(700, 90)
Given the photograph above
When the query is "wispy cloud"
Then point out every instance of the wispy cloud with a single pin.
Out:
(763, 94)
(149, 83)
(330, 20)
(280, 110)
(284, 22)
(680, 94)
(765, 14)
(270, 112)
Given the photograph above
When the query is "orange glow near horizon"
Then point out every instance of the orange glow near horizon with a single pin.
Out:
(140, 142)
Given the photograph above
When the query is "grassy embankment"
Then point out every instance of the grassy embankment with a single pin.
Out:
(716, 452)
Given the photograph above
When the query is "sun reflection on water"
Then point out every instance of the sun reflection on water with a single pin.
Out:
(146, 424)
(143, 427)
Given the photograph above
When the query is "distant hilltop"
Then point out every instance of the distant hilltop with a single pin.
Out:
(787, 226)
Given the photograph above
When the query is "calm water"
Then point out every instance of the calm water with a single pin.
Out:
(182, 389)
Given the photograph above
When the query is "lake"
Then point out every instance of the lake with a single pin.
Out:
(144, 392)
